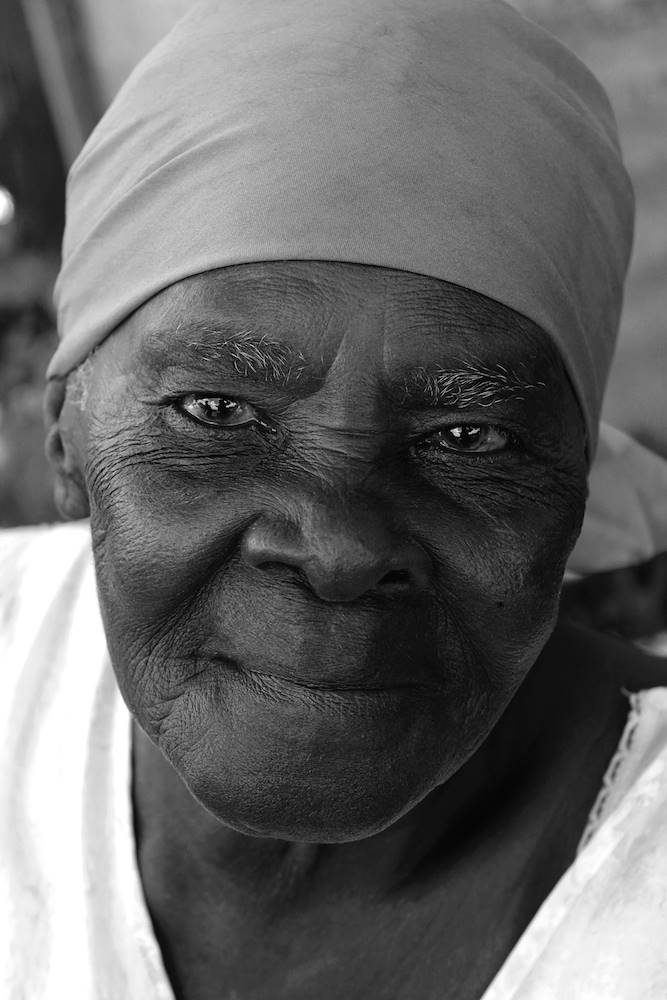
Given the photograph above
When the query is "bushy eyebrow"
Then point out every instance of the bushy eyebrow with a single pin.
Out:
(471, 385)
(468, 384)
(255, 356)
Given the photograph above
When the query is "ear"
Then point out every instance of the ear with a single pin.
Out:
(70, 493)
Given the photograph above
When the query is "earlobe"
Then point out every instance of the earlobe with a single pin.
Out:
(70, 494)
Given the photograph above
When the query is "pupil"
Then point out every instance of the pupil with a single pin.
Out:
(465, 435)
(216, 407)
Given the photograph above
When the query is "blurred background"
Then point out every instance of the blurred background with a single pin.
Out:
(62, 61)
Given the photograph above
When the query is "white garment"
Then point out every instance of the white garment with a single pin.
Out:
(625, 522)
(73, 920)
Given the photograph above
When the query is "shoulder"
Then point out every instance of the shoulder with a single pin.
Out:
(35, 564)
(624, 662)
(19, 547)
(49, 626)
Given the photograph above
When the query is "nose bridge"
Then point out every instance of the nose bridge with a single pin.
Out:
(342, 435)
(345, 523)
(342, 464)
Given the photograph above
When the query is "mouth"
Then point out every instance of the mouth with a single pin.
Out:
(280, 678)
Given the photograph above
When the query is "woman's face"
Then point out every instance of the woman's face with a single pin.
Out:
(331, 506)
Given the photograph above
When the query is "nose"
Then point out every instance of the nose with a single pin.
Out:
(344, 551)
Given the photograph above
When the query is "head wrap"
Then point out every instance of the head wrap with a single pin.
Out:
(452, 138)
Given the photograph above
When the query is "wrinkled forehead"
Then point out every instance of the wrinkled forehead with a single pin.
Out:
(311, 310)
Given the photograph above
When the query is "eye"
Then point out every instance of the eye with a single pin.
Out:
(219, 411)
(468, 438)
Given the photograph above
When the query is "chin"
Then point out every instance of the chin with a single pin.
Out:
(305, 814)
(314, 792)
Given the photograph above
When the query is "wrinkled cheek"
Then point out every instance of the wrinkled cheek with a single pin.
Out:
(543, 562)
(152, 555)
(141, 601)
(501, 597)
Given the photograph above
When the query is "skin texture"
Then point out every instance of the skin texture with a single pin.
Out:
(318, 617)
(251, 582)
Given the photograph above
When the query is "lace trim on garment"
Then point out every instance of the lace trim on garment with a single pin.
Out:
(598, 813)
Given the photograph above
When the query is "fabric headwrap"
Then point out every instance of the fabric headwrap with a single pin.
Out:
(452, 138)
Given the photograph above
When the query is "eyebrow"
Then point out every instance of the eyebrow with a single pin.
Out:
(471, 385)
(258, 356)
(251, 355)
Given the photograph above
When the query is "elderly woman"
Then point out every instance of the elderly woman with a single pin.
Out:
(339, 294)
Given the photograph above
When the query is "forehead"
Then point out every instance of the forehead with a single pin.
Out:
(379, 316)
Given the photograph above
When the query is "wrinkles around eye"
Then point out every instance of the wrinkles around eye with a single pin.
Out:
(474, 440)
(221, 415)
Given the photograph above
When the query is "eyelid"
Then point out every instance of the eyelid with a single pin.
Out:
(513, 441)
(171, 390)
(257, 423)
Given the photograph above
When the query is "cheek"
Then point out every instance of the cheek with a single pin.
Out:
(158, 537)
(161, 524)
(500, 552)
